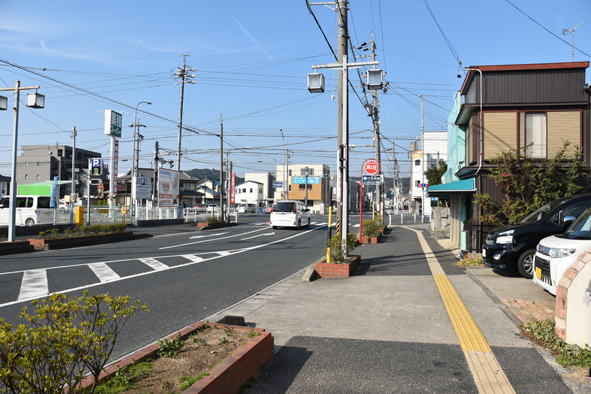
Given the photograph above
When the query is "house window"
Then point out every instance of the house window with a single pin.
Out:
(417, 162)
(289, 172)
(251, 190)
(535, 135)
(310, 172)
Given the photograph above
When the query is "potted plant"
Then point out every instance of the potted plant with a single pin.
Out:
(341, 265)
(372, 231)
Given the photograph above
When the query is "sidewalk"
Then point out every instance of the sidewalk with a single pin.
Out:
(387, 329)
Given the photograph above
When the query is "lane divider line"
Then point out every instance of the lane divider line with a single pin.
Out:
(103, 272)
(192, 258)
(488, 375)
(212, 239)
(33, 284)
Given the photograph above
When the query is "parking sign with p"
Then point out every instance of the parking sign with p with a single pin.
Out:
(96, 166)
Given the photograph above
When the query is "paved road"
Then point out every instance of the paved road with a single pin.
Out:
(182, 274)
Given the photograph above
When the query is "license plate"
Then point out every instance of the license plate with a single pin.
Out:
(538, 273)
(483, 252)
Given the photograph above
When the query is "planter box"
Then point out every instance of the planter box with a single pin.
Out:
(371, 240)
(332, 270)
(226, 377)
(72, 242)
(15, 247)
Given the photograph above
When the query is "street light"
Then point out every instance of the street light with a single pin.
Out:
(34, 100)
(285, 167)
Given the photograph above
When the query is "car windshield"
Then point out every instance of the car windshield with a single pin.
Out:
(283, 207)
(580, 228)
(537, 215)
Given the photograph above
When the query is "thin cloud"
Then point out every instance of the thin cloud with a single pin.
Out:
(144, 45)
(41, 48)
(252, 38)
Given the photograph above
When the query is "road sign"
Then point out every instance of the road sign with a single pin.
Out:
(113, 123)
(277, 184)
(371, 167)
(371, 179)
(301, 180)
(96, 166)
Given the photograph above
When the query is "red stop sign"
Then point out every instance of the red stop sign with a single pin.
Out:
(371, 167)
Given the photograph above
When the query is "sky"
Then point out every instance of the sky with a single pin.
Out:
(251, 60)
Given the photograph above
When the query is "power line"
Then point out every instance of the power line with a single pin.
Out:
(447, 41)
(545, 28)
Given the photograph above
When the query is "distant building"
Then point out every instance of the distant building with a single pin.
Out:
(264, 178)
(44, 162)
(250, 192)
(318, 186)
(422, 160)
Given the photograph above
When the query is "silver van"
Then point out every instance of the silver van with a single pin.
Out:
(289, 213)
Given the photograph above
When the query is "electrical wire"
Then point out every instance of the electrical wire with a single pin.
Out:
(447, 41)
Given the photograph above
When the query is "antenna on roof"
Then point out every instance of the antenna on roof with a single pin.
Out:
(572, 30)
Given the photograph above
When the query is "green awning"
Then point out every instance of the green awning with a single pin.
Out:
(463, 186)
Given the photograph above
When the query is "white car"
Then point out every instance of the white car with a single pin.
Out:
(556, 253)
(30, 210)
(289, 213)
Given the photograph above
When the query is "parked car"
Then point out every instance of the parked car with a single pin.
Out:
(289, 213)
(556, 253)
(513, 247)
(30, 210)
(246, 208)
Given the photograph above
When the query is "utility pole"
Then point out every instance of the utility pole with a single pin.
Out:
(376, 128)
(306, 200)
(155, 186)
(343, 119)
(185, 76)
(222, 185)
(229, 185)
(73, 183)
(423, 154)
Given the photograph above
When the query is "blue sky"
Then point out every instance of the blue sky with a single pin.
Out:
(252, 58)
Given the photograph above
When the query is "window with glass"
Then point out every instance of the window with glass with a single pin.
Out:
(417, 162)
(536, 135)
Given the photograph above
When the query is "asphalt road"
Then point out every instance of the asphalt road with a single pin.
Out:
(183, 275)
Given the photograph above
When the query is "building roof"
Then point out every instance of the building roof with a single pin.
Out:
(518, 67)
(245, 182)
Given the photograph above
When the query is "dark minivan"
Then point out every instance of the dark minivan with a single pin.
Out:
(512, 247)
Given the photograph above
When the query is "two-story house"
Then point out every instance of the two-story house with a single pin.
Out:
(529, 108)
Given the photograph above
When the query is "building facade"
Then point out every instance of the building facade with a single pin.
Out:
(266, 180)
(251, 192)
(317, 190)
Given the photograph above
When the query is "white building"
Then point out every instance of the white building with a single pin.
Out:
(421, 160)
(250, 192)
(265, 179)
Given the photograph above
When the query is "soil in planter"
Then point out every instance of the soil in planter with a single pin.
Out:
(200, 352)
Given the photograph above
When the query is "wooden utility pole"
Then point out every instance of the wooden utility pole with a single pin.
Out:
(375, 115)
(222, 185)
(343, 140)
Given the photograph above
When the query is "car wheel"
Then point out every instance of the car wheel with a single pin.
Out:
(29, 222)
(525, 264)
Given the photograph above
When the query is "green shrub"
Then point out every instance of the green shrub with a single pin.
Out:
(64, 337)
(336, 252)
(371, 228)
(566, 354)
(170, 349)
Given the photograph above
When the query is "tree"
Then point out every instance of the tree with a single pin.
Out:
(435, 173)
(529, 183)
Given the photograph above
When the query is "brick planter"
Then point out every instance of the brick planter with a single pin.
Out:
(15, 247)
(332, 270)
(371, 240)
(211, 226)
(226, 377)
(72, 242)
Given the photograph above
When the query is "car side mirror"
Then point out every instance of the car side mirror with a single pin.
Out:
(568, 220)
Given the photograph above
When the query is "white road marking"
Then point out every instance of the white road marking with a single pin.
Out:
(103, 272)
(33, 285)
(207, 236)
(40, 293)
(193, 258)
(258, 235)
(212, 239)
(356, 225)
(154, 264)
(313, 222)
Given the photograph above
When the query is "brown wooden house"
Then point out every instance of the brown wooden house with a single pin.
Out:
(531, 108)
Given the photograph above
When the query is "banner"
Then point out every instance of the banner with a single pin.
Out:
(168, 187)
(233, 189)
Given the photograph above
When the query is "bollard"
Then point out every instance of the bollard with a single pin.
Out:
(415, 217)
(401, 218)
(422, 218)
(389, 219)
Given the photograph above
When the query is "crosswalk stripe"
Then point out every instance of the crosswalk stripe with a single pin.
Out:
(193, 258)
(33, 284)
(103, 272)
(154, 264)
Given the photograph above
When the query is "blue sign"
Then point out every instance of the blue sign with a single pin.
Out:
(371, 179)
(54, 193)
(301, 180)
(96, 166)
(277, 184)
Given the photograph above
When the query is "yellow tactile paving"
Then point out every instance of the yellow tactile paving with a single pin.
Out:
(486, 370)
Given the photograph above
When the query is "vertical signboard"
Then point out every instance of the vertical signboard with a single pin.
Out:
(114, 163)
(168, 187)
(113, 127)
(233, 189)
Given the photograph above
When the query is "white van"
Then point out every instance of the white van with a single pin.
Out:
(246, 208)
(289, 213)
(556, 253)
(30, 210)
